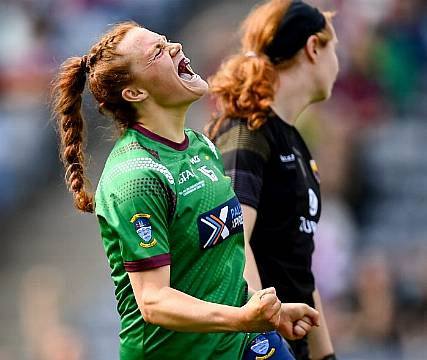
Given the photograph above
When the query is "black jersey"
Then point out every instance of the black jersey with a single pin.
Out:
(272, 171)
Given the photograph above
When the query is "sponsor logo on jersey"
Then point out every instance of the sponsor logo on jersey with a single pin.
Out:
(313, 202)
(218, 224)
(142, 225)
(185, 176)
(197, 186)
(315, 170)
(307, 226)
(287, 158)
(262, 348)
(195, 159)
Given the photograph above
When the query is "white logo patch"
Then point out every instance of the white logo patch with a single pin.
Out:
(195, 159)
(287, 158)
(307, 226)
(313, 202)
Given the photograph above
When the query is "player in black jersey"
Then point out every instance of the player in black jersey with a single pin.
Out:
(287, 62)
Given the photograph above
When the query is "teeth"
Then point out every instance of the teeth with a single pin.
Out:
(185, 76)
(188, 67)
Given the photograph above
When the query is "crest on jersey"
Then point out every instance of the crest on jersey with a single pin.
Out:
(261, 345)
(142, 225)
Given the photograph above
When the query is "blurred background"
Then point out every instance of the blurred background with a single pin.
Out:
(370, 140)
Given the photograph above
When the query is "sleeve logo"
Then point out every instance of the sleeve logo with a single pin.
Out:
(218, 224)
(142, 225)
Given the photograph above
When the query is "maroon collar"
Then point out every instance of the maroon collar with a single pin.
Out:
(174, 145)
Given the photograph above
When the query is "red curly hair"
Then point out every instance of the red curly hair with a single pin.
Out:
(244, 86)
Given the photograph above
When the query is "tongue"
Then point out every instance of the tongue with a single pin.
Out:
(184, 69)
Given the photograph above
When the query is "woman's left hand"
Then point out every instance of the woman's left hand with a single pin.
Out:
(296, 320)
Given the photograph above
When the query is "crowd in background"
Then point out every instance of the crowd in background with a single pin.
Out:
(369, 141)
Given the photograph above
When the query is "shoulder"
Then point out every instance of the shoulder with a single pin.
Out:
(236, 136)
(197, 138)
(130, 160)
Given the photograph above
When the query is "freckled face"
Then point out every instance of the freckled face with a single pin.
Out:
(161, 68)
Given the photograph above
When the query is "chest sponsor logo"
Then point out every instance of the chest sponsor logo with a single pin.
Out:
(307, 226)
(287, 158)
(185, 176)
(189, 190)
(218, 224)
(142, 225)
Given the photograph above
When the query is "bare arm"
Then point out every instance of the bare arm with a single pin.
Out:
(251, 270)
(162, 305)
(319, 341)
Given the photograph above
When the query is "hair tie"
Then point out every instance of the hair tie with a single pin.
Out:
(251, 54)
(70, 168)
(299, 22)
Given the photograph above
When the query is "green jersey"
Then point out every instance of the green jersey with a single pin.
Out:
(161, 203)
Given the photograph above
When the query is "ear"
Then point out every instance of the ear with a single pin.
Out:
(311, 48)
(134, 95)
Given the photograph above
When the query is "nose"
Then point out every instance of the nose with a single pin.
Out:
(174, 48)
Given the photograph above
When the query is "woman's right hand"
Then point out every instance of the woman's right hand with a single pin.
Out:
(262, 312)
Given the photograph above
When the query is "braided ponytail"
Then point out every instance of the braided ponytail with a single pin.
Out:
(67, 91)
(109, 73)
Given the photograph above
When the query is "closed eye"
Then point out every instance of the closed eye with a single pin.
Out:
(159, 52)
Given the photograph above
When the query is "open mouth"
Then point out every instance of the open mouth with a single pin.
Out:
(185, 71)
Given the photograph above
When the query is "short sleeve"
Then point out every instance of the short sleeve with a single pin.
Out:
(143, 208)
(245, 154)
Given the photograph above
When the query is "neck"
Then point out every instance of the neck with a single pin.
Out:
(292, 95)
(166, 122)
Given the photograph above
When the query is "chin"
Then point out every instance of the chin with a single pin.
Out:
(322, 95)
(198, 87)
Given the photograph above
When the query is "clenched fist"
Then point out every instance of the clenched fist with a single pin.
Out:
(262, 312)
(296, 320)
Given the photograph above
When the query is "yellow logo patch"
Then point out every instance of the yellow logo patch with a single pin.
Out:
(269, 355)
